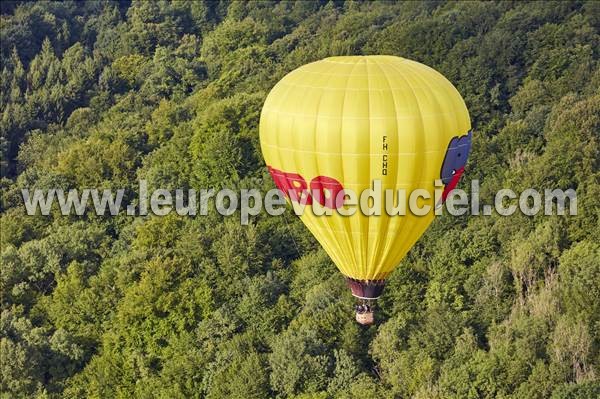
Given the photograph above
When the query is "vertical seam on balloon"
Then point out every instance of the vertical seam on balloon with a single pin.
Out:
(277, 129)
(346, 221)
(349, 237)
(395, 181)
(439, 107)
(435, 97)
(322, 221)
(403, 222)
(371, 260)
(324, 243)
(364, 265)
(419, 222)
(277, 135)
(437, 103)
(406, 247)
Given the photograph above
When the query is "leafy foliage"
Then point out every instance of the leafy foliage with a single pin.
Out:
(101, 94)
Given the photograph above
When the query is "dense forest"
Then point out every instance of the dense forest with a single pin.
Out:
(103, 94)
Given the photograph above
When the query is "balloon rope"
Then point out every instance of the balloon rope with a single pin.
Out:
(291, 236)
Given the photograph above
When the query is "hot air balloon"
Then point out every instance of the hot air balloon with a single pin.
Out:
(342, 123)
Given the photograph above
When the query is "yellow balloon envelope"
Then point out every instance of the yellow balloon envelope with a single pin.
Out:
(341, 124)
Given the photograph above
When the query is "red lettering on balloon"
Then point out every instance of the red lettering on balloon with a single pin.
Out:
(325, 190)
(292, 185)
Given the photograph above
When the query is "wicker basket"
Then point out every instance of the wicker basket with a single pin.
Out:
(366, 318)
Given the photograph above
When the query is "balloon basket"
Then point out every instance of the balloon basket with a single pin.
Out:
(364, 313)
(365, 319)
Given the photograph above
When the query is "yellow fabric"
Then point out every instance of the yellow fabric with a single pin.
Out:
(328, 118)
